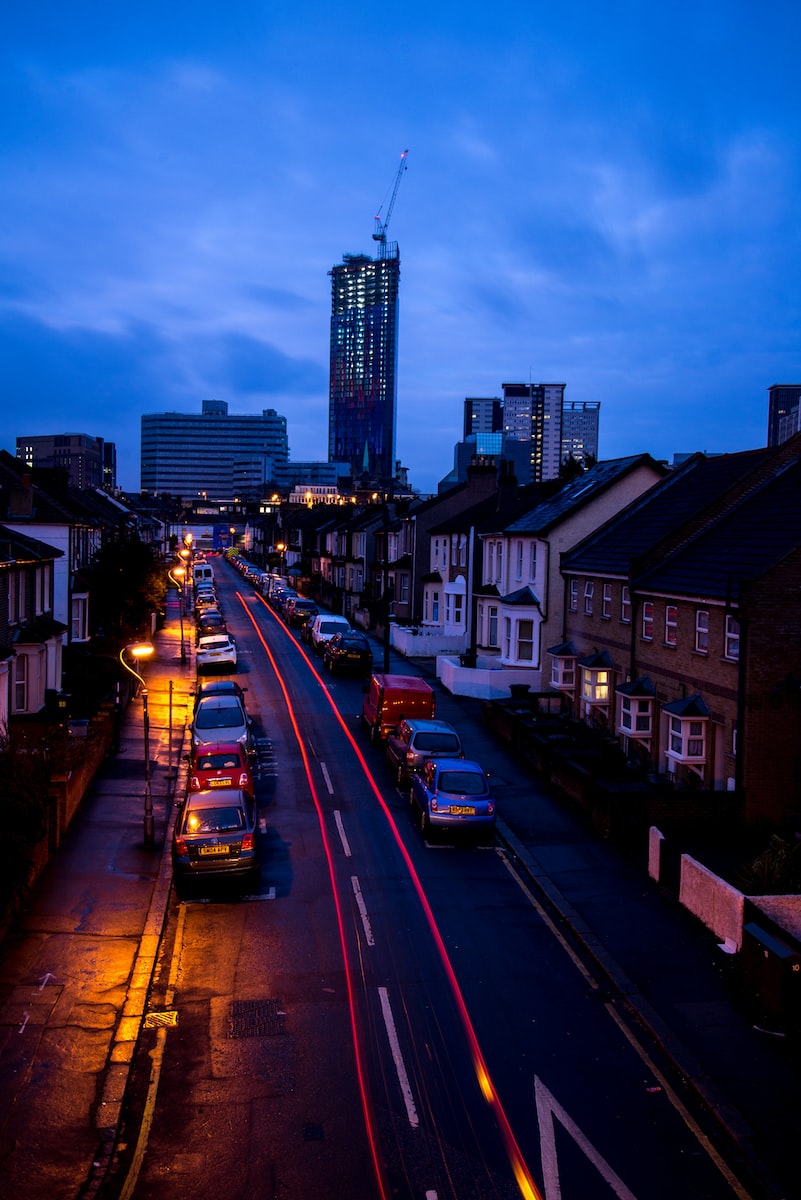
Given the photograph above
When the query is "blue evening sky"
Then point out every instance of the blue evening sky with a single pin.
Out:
(601, 194)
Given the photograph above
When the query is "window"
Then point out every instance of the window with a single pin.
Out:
(20, 683)
(457, 608)
(435, 607)
(687, 740)
(606, 601)
(525, 641)
(462, 550)
(492, 626)
(625, 604)
(702, 631)
(595, 685)
(507, 637)
(671, 621)
(499, 562)
(572, 600)
(490, 562)
(404, 588)
(532, 561)
(79, 626)
(589, 588)
(648, 621)
(636, 716)
(563, 672)
(519, 568)
(732, 638)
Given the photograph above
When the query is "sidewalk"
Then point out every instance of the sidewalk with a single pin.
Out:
(75, 970)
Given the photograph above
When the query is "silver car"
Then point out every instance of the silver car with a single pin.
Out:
(221, 719)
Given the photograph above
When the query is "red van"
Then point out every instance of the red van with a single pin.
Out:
(390, 698)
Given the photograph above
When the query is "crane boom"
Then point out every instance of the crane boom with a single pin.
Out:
(380, 231)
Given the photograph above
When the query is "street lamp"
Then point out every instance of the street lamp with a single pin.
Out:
(281, 548)
(139, 650)
(177, 576)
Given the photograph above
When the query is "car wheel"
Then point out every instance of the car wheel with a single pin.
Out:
(400, 777)
(424, 822)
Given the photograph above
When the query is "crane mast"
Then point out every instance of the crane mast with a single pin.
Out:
(380, 231)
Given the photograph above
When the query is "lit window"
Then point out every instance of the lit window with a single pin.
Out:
(648, 621)
(595, 685)
(702, 631)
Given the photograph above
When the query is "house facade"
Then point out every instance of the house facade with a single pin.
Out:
(30, 636)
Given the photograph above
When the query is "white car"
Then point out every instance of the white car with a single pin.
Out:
(215, 650)
(323, 627)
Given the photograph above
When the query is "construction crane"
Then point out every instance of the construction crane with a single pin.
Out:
(380, 232)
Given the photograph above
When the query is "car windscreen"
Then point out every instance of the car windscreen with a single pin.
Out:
(462, 783)
(437, 743)
(215, 820)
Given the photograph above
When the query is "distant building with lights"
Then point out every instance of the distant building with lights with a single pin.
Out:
(784, 412)
(363, 364)
(580, 420)
(90, 462)
(215, 454)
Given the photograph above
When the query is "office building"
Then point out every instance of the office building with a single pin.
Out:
(580, 430)
(784, 412)
(88, 461)
(215, 453)
(363, 364)
(482, 415)
(532, 413)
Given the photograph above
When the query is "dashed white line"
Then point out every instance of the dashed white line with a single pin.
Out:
(400, 1066)
(327, 779)
(341, 831)
(362, 907)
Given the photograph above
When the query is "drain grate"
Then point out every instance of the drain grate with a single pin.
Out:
(255, 1018)
(160, 1020)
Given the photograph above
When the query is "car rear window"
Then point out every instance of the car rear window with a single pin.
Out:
(330, 626)
(462, 783)
(214, 820)
(437, 743)
(217, 762)
(218, 718)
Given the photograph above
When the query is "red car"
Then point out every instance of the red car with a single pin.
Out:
(221, 765)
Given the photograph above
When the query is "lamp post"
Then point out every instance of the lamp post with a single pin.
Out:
(281, 548)
(139, 650)
(177, 576)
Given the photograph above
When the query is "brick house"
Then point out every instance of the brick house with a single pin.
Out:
(30, 637)
(682, 630)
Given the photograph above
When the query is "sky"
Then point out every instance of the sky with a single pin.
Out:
(605, 195)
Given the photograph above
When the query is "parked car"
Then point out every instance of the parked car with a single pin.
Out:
(219, 687)
(348, 653)
(298, 610)
(220, 765)
(210, 623)
(390, 698)
(452, 794)
(215, 835)
(219, 718)
(416, 740)
(323, 627)
(215, 650)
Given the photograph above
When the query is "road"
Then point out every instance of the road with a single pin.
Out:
(384, 1016)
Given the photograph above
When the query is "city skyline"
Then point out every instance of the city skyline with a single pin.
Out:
(602, 196)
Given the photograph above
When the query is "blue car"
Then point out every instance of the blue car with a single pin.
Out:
(452, 794)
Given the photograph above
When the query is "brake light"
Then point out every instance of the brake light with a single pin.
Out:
(410, 756)
(247, 841)
(180, 846)
(434, 805)
(194, 784)
(244, 782)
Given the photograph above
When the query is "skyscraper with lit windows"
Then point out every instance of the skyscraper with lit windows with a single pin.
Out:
(364, 360)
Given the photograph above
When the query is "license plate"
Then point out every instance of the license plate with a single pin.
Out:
(221, 850)
(463, 810)
(220, 783)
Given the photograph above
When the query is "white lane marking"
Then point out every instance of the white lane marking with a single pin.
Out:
(341, 831)
(362, 907)
(327, 779)
(547, 1109)
(400, 1066)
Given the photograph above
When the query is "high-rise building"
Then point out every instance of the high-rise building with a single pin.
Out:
(580, 420)
(214, 453)
(532, 413)
(364, 360)
(482, 415)
(88, 461)
(784, 412)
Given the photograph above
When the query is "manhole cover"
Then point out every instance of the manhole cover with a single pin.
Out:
(255, 1018)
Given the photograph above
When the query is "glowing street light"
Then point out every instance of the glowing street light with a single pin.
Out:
(139, 650)
(177, 576)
